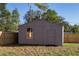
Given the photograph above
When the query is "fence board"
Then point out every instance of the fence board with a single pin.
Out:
(71, 38)
(8, 37)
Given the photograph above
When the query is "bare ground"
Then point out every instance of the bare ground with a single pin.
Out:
(16, 50)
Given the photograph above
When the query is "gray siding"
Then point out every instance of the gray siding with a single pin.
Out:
(44, 33)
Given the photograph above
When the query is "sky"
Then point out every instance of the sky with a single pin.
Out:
(70, 11)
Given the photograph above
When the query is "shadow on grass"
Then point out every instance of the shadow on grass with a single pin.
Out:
(18, 45)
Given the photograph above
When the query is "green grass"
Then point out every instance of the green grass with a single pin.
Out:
(68, 49)
(71, 44)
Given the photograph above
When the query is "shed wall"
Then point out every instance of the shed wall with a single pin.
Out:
(44, 33)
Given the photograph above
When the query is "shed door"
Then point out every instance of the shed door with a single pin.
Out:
(51, 36)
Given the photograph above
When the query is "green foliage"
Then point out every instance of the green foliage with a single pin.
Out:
(15, 20)
(29, 16)
(67, 26)
(2, 6)
(42, 6)
(8, 21)
(15, 16)
(75, 28)
(5, 18)
(51, 16)
(32, 15)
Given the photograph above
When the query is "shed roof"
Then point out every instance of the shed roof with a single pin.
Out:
(40, 21)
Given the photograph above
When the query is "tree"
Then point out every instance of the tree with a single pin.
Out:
(2, 6)
(15, 20)
(67, 26)
(42, 6)
(32, 15)
(5, 17)
(75, 28)
(8, 21)
(37, 14)
(29, 16)
(51, 16)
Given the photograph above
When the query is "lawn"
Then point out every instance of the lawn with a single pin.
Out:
(71, 44)
(65, 50)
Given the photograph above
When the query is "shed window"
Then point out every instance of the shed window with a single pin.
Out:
(29, 33)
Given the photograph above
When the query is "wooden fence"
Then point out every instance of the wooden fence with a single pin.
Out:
(71, 38)
(12, 38)
(8, 37)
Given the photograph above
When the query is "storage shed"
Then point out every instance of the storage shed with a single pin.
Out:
(41, 32)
